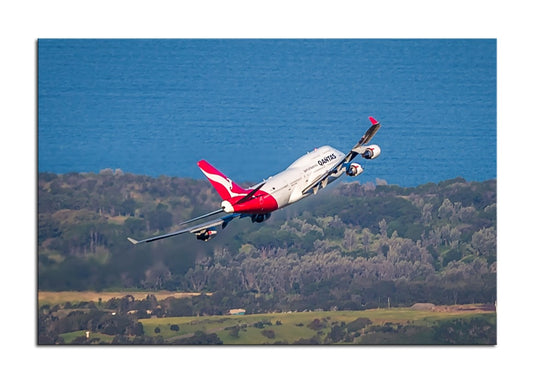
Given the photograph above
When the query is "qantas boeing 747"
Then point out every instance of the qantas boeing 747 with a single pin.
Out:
(306, 175)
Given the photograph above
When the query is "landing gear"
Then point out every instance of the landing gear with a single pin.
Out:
(260, 217)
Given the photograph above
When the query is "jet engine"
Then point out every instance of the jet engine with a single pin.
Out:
(371, 152)
(260, 217)
(206, 234)
(354, 169)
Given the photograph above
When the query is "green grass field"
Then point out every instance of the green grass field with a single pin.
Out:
(69, 337)
(459, 324)
(291, 327)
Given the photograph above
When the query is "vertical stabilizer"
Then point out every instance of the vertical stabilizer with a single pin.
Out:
(225, 187)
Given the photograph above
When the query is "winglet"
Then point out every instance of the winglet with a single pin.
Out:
(133, 241)
(373, 120)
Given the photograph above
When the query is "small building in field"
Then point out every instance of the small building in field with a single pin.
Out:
(237, 311)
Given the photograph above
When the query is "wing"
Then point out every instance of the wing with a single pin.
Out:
(197, 229)
(202, 216)
(356, 150)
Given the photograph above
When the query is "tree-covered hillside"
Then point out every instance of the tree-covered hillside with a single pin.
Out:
(350, 247)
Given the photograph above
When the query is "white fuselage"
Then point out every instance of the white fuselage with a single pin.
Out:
(286, 187)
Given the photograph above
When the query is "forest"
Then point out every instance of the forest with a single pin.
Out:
(351, 247)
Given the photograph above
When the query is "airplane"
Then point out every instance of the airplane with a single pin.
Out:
(308, 174)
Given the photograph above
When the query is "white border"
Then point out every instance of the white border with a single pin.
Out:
(24, 21)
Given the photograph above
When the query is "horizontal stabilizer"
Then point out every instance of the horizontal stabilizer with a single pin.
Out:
(250, 194)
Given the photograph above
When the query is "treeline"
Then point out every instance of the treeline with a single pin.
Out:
(352, 246)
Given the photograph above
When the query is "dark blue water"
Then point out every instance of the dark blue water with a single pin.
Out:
(251, 107)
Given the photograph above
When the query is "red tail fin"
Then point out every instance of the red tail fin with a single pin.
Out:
(224, 186)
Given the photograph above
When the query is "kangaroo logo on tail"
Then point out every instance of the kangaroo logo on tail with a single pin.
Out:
(225, 187)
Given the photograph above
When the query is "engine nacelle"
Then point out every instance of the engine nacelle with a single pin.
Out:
(371, 152)
(354, 169)
(206, 234)
(260, 217)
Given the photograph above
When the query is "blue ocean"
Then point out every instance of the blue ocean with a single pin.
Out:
(251, 107)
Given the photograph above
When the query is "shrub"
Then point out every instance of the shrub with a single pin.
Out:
(234, 331)
(337, 333)
(316, 324)
(268, 333)
(358, 324)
